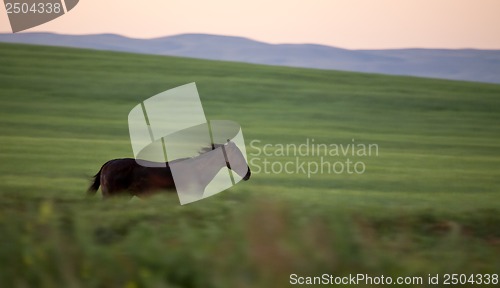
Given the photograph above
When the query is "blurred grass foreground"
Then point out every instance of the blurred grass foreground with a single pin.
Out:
(427, 204)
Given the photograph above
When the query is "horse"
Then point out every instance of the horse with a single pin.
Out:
(126, 177)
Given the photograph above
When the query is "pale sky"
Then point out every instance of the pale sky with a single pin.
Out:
(354, 24)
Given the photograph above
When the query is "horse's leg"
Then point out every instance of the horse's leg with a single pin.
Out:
(139, 187)
(144, 183)
(105, 183)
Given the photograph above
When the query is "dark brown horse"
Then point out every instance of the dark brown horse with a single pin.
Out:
(128, 178)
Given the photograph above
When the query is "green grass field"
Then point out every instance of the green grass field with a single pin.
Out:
(428, 203)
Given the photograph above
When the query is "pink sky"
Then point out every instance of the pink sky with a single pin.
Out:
(355, 24)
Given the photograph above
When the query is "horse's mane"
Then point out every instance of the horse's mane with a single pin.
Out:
(202, 151)
(209, 148)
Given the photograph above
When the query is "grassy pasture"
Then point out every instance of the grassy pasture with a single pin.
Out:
(428, 203)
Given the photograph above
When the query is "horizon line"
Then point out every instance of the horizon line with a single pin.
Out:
(250, 39)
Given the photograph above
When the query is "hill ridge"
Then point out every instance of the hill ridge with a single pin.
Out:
(455, 64)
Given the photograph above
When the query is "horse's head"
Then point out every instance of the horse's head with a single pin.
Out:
(236, 161)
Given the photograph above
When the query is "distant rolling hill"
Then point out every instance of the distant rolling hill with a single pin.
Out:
(462, 64)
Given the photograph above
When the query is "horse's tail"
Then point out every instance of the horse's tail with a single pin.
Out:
(97, 182)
